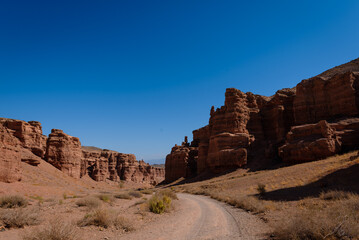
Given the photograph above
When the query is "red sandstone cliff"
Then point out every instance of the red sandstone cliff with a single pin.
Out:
(252, 130)
(24, 141)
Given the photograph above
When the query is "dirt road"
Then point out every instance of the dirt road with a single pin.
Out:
(202, 218)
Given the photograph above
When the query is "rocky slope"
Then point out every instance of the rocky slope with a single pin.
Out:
(316, 119)
(24, 141)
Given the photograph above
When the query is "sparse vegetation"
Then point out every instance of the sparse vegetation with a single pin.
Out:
(38, 198)
(162, 201)
(121, 222)
(261, 188)
(146, 191)
(169, 193)
(336, 195)
(123, 196)
(13, 201)
(90, 202)
(55, 230)
(105, 218)
(135, 194)
(18, 218)
(106, 198)
(337, 221)
(100, 217)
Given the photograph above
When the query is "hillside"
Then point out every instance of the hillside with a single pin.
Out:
(305, 194)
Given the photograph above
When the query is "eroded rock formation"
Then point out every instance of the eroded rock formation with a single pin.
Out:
(10, 158)
(314, 120)
(64, 152)
(24, 141)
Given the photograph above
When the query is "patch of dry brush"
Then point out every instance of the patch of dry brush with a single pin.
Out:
(105, 218)
(336, 220)
(56, 229)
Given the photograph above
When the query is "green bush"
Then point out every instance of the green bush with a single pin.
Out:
(13, 201)
(156, 205)
(160, 203)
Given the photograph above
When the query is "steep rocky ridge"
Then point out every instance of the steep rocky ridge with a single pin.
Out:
(314, 120)
(24, 141)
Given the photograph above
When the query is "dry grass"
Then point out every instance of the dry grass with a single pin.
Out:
(18, 218)
(123, 196)
(135, 194)
(336, 195)
(90, 202)
(100, 217)
(55, 230)
(146, 191)
(339, 220)
(167, 192)
(106, 198)
(105, 218)
(13, 201)
(123, 223)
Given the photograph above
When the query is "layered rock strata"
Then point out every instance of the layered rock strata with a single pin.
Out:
(24, 141)
(314, 120)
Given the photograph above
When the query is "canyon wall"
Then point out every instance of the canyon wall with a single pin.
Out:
(314, 120)
(24, 141)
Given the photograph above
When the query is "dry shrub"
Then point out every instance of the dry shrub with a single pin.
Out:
(106, 198)
(100, 217)
(160, 203)
(55, 230)
(336, 195)
(169, 193)
(90, 202)
(13, 201)
(248, 203)
(106, 218)
(18, 218)
(146, 191)
(135, 194)
(340, 220)
(123, 223)
(261, 189)
(123, 196)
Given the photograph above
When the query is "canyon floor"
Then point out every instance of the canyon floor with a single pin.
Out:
(268, 204)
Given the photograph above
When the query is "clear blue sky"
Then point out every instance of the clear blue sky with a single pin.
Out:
(137, 76)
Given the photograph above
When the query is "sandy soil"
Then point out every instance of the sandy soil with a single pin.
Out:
(193, 217)
(202, 218)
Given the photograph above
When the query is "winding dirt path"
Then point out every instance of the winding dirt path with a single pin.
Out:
(202, 218)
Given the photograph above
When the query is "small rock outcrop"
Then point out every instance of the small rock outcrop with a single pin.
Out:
(64, 152)
(310, 142)
(181, 162)
(10, 158)
(314, 120)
